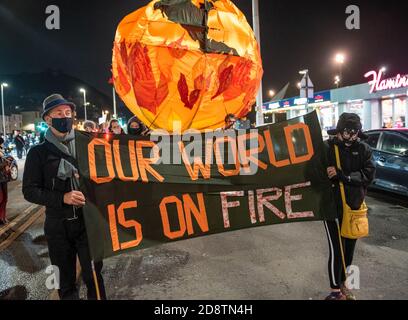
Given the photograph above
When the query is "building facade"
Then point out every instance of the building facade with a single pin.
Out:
(379, 103)
(12, 123)
(30, 119)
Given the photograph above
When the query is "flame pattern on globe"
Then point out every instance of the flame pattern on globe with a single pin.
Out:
(176, 74)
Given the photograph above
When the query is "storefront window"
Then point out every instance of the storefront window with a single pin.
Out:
(386, 107)
(357, 108)
(393, 118)
(298, 113)
(327, 117)
(399, 113)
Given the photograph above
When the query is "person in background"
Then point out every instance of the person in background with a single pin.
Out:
(90, 126)
(20, 143)
(4, 167)
(136, 127)
(114, 127)
(230, 120)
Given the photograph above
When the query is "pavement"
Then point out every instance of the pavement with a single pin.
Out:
(23, 263)
(287, 261)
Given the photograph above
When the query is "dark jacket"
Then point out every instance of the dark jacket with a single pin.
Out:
(40, 182)
(356, 163)
(19, 142)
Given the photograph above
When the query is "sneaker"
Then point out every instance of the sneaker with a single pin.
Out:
(338, 295)
(347, 292)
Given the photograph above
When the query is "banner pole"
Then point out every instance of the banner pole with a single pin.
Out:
(98, 295)
(341, 249)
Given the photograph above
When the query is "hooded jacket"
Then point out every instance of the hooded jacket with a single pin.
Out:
(358, 170)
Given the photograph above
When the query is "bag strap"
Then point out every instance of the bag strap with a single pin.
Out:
(343, 194)
(343, 198)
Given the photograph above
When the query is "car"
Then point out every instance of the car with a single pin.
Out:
(390, 153)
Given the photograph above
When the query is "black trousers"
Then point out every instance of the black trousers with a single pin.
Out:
(335, 266)
(20, 153)
(67, 239)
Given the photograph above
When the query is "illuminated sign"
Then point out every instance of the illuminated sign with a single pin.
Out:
(274, 105)
(300, 101)
(319, 98)
(379, 84)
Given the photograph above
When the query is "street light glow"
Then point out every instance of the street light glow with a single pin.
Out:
(383, 69)
(271, 93)
(299, 85)
(4, 85)
(82, 90)
(340, 58)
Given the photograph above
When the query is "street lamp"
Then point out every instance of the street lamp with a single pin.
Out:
(84, 92)
(340, 59)
(115, 116)
(271, 93)
(337, 81)
(383, 70)
(3, 85)
(257, 32)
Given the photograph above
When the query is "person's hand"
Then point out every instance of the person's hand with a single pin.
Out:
(331, 172)
(74, 198)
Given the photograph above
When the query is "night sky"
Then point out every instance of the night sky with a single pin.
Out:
(294, 35)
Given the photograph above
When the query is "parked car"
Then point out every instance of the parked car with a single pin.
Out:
(390, 153)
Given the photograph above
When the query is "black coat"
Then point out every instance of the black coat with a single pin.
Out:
(40, 183)
(19, 142)
(356, 163)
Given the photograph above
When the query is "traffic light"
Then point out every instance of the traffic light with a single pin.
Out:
(42, 126)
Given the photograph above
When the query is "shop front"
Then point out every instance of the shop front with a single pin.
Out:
(380, 103)
(295, 107)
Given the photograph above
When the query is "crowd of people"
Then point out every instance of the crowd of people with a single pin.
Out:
(134, 127)
(51, 179)
(19, 143)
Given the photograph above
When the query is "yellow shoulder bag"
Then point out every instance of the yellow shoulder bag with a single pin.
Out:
(355, 222)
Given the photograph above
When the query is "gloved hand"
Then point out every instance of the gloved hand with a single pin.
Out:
(342, 177)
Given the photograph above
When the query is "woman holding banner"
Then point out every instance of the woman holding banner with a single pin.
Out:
(351, 170)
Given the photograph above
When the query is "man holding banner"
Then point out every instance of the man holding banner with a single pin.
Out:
(51, 179)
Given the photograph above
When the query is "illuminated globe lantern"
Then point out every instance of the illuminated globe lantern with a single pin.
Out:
(181, 64)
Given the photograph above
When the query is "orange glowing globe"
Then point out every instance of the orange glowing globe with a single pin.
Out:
(181, 64)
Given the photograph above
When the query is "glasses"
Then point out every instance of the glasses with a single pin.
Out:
(350, 132)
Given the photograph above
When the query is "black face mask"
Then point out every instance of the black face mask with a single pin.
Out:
(62, 125)
(135, 131)
(352, 137)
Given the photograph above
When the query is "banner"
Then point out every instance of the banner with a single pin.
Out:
(145, 191)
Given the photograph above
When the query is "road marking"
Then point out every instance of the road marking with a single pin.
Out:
(6, 243)
(20, 217)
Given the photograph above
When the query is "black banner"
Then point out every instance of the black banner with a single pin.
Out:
(144, 191)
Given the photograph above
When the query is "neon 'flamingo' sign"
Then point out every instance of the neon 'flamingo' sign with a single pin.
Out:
(379, 84)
